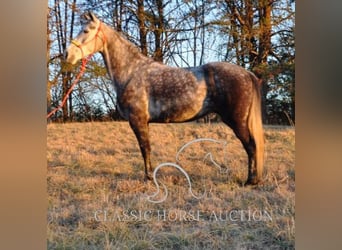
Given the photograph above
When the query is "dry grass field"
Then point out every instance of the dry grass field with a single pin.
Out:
(97, 197)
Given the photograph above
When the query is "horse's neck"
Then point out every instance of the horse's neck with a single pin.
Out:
(122, 59)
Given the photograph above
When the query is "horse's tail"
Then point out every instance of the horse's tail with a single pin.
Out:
(255, 125)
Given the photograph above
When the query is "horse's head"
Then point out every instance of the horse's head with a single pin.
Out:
(91, 39)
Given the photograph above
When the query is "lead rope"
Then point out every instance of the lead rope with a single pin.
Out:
(83, 66)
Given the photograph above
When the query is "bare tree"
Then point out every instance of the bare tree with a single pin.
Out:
(63, 15)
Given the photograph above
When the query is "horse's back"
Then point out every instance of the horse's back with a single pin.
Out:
(228, 71)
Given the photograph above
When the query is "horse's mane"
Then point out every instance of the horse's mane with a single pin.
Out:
(130, 46)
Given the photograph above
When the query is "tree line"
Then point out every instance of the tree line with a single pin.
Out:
(258, 35)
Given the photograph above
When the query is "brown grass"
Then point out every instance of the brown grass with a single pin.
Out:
(97, 168)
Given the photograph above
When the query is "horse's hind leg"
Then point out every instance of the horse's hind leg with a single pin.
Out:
(242, 132)
(249, 145)
(140, 128)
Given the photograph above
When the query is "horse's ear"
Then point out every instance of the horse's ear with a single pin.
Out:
(88, 17)
(85, 18)
(92, 16)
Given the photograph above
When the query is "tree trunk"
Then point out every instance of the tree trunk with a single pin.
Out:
(158, 31)
(265, 7)
(142, 27)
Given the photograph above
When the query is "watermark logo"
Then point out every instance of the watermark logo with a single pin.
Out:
(177, 166)
(174, 215)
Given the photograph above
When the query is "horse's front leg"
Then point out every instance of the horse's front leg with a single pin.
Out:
(140, 128)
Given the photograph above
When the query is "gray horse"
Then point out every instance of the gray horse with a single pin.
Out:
(149, 91)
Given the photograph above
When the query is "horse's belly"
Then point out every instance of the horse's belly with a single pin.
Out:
(165, 113)
(178, 109)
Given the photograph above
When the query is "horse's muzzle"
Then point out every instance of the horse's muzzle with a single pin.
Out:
(68, 58)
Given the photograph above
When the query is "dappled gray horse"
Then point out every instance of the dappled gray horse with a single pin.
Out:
(149, 91)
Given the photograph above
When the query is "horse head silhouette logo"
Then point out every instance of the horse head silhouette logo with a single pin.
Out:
(208, 155)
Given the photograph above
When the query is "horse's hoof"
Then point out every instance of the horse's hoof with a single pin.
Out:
(148, 178)
(252, 182)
